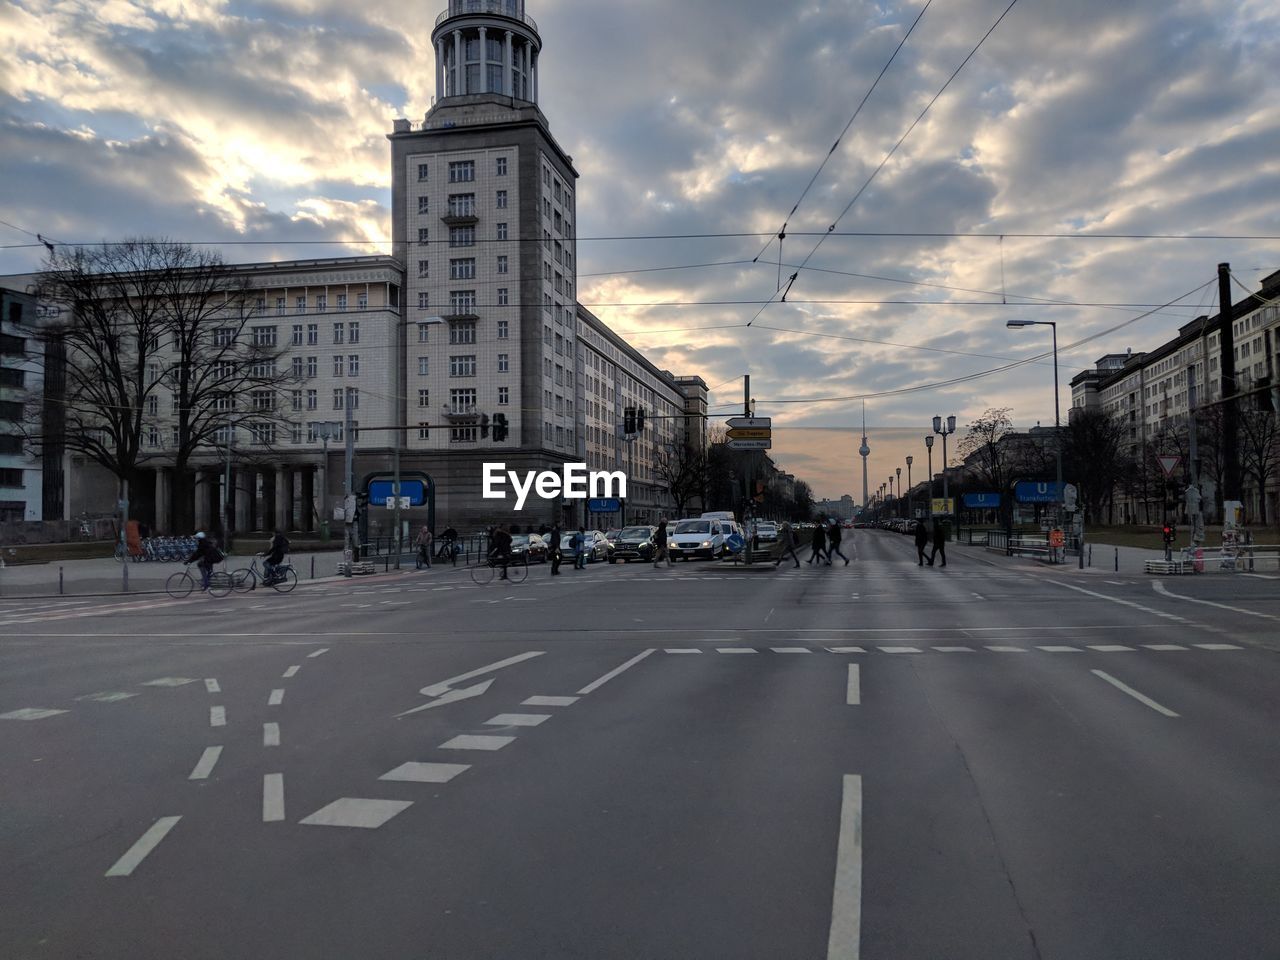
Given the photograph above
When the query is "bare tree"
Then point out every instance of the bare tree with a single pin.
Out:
(683, 470)
(1095, 457)
(1259, 452)
(991, 462)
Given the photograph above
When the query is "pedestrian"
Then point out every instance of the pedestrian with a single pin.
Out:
(922, 541)
(833, 537)
(660, 552)
(424, 546)
(939, 543)
(553, 546)
(787, 537)
(579, 549)
(819, 543)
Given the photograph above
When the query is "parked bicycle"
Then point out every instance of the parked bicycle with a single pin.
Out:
(516, 568)
(247, 578)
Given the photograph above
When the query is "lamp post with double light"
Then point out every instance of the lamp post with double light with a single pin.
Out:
(944, 429)
(910, 512)
(1057, 424)
(928, 445)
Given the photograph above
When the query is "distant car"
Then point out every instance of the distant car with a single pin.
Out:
(766, 531)
(632, 543)
(594, 545)
(529, 544)
(696, 538)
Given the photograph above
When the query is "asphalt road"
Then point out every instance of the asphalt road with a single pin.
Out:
(992, 760)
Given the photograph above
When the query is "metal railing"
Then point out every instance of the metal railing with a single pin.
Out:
(504, 8)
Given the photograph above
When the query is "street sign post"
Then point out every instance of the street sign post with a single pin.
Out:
(748, 423)
(603, 505)
(750, 433)
(749, 444)
(943, 505)
(1035, 491)
(1169, 464)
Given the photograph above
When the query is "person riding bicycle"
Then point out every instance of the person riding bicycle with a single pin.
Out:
(273, 556)
(500, 548)
(449, 548)
(205, 556)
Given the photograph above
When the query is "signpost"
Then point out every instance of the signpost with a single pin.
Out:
(982, 501)
(750, 433)
(943, 506)
(1168, 464)
(603, 505)
(1035, 491)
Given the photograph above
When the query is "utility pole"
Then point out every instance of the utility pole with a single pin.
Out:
(1230, 410)
(348, 513)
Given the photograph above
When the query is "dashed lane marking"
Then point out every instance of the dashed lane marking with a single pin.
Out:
(414, 772)
(998, 649)
(272, 797)
(291, 672)
(845, 649)
(107, 697)
(30, 713)
(204, 766)
(317, 653)
(791, 650)
(735, 650)
(899, 649)
(853, 686)
(1058, 649)
(1111, 648)
(955, 649)
(845, 936)
(682, 650)
(211, 685)
(549, 701)
(357, 812)
(144, 845)
(276, 698)
(168, 682)
(1217, 646)
(271, 734)
(517, 720)
(470, 741)
(1164, 646)
(217, 716)
(1141, 698)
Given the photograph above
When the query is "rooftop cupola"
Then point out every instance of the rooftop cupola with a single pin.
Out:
(486, 47)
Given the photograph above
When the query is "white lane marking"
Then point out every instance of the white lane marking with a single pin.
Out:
(30, 713)
(276, 697)
(1160, 588)
(1008, 649)
(1133, 693)
(271, 734)
(853, 687)
(1117, 583)
(1053, 649)
(1124, 603)
(1261, 576)
(217, 716)
(847, 649)
(316, 653)
(469, 741)
(845, 939)
(292, 671)
(272, 797)
(107, 696)
(517, 719)
(899, 649)
(1164, 646)
(168, 682)
(1217, 646)
(212, 686)
(598, 683)
(1110, 648)
(357, 812)
(735, 650)
(548, 701)
(955, 649)
(414, 772)
(145, 844)
(436, 689)
(438, 589)
(682, 650)
(204, 766)
(791, 650)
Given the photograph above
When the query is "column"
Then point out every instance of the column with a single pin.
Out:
(440, 74)
(484, 63)
(243, 491)
(459, 65)
(202, 501)
(162, 501)
(533, 69)
(525, 62)
(282, 498)
(307, 505)
(508, 68)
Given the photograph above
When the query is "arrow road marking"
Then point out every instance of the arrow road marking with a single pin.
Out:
(452, 696)
(436, 689)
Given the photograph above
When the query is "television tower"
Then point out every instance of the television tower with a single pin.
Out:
(864, 451)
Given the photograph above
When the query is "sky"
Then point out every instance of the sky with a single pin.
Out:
(697, 126)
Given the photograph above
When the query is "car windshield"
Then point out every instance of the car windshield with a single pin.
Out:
(520, 540)
(635, 533)
(693, 526)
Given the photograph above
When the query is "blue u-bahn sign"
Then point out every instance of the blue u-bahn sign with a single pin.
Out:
(982, 501)
(603, 505)
(1036, 491)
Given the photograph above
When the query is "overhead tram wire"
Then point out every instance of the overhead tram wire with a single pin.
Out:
(782, 232)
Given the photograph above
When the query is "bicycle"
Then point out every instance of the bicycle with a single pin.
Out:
(247, 578)
(180, 584)
(516, 570)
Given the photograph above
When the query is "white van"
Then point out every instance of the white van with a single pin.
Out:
(703, 537)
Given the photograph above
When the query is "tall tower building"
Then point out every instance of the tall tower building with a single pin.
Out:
(483, 214)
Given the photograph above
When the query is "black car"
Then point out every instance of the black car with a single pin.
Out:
(633, 543)
(530, 544)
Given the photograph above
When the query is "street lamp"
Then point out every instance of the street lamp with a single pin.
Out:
(928, 445)
(326, 430)
(1057, 425)
(898, 471)
(401, 424)
(909, 487)
(944, 428)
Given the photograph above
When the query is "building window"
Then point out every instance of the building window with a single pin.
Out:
(312, 399)
(424, 398)
(295, 433)
(423, 170)
(423, 366)
(462, 365)
(502, 264)
(500, 166)
(342, 302)
(462, 171)
(462, 400)
(546, 335)
(424, 333)
(362, 301)
(296, 368)
(503, 299)
(424, 432)
(295, 400)
(153, 403)
(295, 338)
(337, 364)
(339, 331)
(424, 236)
(504, 396)
(262, 434)
(353, 331)
(322, 304)
(424, 268)
(462, 236)
(300, 305)
(337, 398)
(462, 331)
(464, 269)
(462, 434)
(313, 367)
(504, 365)
(313, 334)
(424, 205)
(353, 365)
(424, 300)
(261, 400)
(264, 336)
(353, 398)
(462, 204)
(462, 301)
(280, 306)
(500, 231)
(500, 200)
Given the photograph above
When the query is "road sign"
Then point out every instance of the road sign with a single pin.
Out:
(749, 444)
(750, 433)
(982, 501)
(759, 423)
(733, 542)
(390, 502)
(1035, 491)
(603, 505)
(380, 491)
(944, 506)
(1168, 464)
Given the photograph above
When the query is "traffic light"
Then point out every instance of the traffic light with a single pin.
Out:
(640, 420)
(629, 420)
(1169, 533)
(484, 426)
(499, 426)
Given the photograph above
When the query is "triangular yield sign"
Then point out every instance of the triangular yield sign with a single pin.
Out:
(1168, 464)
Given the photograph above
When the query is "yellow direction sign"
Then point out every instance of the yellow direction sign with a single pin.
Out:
(750, 433)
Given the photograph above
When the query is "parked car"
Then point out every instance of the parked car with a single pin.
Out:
(767, 531)
(696, 538)
(595, 546)
(632, 543)
(531, 545)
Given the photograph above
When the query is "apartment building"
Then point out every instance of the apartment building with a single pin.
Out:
(21, 476)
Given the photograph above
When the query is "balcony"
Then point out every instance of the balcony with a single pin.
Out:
(460, 413)
(452, 314)
(512, 9)
(460, 218)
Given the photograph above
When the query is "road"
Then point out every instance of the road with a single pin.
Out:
(992, 760)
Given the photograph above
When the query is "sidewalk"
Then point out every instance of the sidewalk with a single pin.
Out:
(1099, 559)
(104, 576)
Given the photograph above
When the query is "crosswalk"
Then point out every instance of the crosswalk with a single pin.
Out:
(998, 648)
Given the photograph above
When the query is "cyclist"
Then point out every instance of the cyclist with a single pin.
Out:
(424, 546)
(205, 556)
(273, 556)
(500, 548)
(449, 548)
